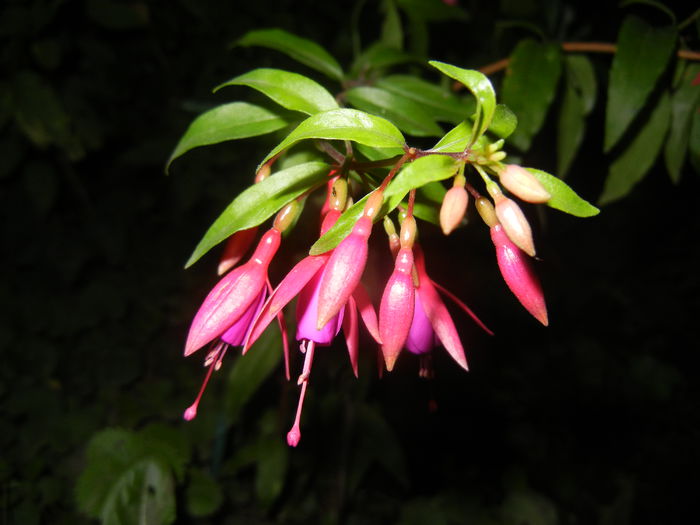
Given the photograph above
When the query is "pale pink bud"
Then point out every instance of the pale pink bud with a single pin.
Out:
(515, 224)
(454, 206)
(396, 308)
(519, 275)
(523, 184)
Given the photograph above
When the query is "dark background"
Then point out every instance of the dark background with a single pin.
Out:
(592, 420)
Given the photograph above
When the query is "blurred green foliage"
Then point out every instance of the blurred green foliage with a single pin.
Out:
(591, 421)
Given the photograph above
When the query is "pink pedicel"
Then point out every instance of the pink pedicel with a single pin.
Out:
(519, 275)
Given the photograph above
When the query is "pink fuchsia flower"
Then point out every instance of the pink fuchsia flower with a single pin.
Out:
(227, 312)
(347, 263)
(439, 326)
(396, 308)
(519, 275)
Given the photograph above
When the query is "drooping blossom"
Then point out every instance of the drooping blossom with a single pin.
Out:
(519, 275)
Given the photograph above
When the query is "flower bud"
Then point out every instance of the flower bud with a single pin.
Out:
(373, 204)
(286, 216)
(396, 308)
(523, 184)
(236, 247)
(408, 232)
(515, 224)
(338, 195)
(454, 206)
(518, 275)
(486, 211)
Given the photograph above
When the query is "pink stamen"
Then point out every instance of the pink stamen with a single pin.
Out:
(294, 435)
(191, 411)
(463, 306)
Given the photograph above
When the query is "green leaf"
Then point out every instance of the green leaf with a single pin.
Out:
(343, 124)
(236, 120)
(504, 122)
(124, 482)
(290, 90)
(481, 88)
(684, 104)
(300, 49)
(563, 197)
(203, 494)
(392, 32)
(250, 370)
(414, 175)
(259, 202)
(529, 87)
(273, 460)
(577, 102)
(456, 140)
(379, 56)
(631, 166)
(580, 74)
(642, 55)
(438, 102)
(694, 142)
(406, 114)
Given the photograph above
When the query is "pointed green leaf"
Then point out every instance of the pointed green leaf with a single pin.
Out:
(529, 87)
(290, 90)
(455, 140)
(633, 163)
(259, 202)
(438, 102)
(580, 74)
(250, 370)
(504, 122)
(392, 32)
(570, 128)
(563, 197)
(414, 175)
(379, 56)
(642, 55)
(300, 49)
(684, 104)
(343, 124)
(236, 120)
(406, 114)
(481, 88)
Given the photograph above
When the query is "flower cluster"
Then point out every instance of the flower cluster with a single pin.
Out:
(328, 286)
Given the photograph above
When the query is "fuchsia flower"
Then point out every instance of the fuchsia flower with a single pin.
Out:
(518, 274)
(432, 322)
(305, 280)
(229, 309)
(396, 307)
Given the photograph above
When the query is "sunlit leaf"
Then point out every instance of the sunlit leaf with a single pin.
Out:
(563, 197)
(406, 114)
(300, 49)
(259, 202)
(643, 52)
(343, 124)
(635, 162)
(440, 103)
(419, 172)
(290, 90)
(481, 88)
(684, 104)
(529, 87)
(236, 120)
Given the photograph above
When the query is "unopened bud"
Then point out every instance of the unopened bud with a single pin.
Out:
(338, 195)
(236, 247)
(373, 204)
(408, 232)
(263, 172)
(454, 206)
(523, 184)
(286, 216)
(486, 211)
(394, 242)
(515, 224)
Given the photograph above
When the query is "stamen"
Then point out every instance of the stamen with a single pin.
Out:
(294, 435)
(425, 367)
(191, 411)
